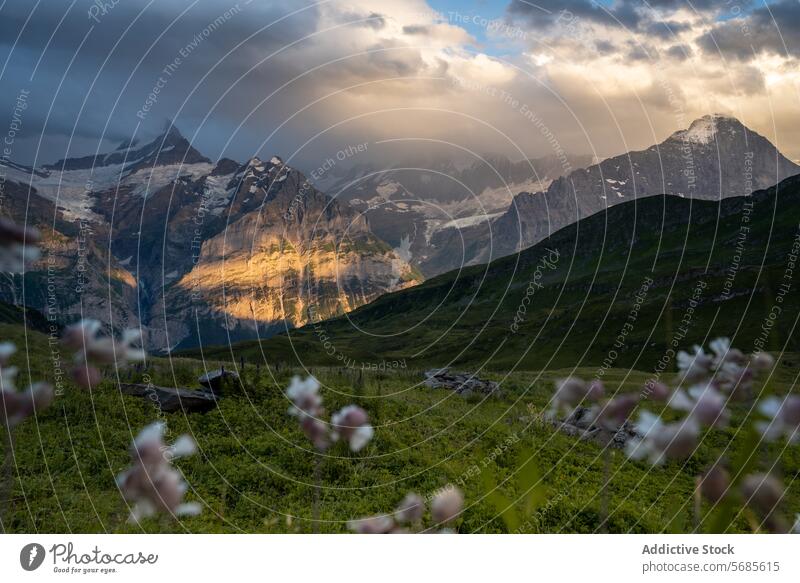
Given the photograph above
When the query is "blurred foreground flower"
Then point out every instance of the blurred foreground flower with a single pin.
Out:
(16, 406)
(90, 348)
(660, 441)
(84, 338)
(715, 483)
(151, 482)
(410, 510)
(351, 424)
(305, 397)
(446, 506)
(704, 403)
(615, 411)
(764, 494)
(571, 392)
(372, 525)
(785, 418)
(17, 246)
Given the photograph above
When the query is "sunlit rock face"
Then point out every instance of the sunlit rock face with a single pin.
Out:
(160, 237)
(297, 255)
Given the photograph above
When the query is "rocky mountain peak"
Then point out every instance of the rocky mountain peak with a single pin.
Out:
(716, 157)
(709, 129)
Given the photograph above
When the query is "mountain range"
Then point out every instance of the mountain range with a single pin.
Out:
(714, 158)
(446, 217)
(426, 208)
(626, 287)
(192, 251)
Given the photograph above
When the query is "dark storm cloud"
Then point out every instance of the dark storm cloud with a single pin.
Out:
(666, 29)
(416, 29)
(373, 20)
(605, 47)
(679, 52)
(62, 79)
(545, 13)
(774, 28)
(639, 53)
(631, 14)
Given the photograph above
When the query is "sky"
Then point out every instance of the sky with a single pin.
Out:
(311, 80)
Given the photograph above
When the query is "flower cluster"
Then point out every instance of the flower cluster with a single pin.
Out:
(446, 507)
(350, 424)
(151, 482)
(17, 246)
(707, 383)
(712, 380)
(16, 406)
(761, 493)
(784, 415)
(571, 392)
(92, 349)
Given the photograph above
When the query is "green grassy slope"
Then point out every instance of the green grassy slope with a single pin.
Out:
(254, 467)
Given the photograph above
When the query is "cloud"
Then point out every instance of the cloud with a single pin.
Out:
(416, 29)
(305, 80)
(546, 13)
(680, 52)
(771, 29)
(666, 30)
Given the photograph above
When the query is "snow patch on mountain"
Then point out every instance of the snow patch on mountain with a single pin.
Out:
(465, 222)
(150, 180)
(704, 130)
(216, 194)
(69, 190)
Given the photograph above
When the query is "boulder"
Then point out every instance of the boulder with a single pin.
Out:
(170, 400)
(580, 423)
(463, 383)
(221, 381)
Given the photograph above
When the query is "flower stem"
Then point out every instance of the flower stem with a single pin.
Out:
(604, 495)
(7, 478)
(317, 492)
(698, 504)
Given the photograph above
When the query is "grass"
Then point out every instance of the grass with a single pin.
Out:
(254, 469)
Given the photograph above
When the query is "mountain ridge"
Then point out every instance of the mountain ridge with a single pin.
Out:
(665, 255)
(147, 219)
(687, 163)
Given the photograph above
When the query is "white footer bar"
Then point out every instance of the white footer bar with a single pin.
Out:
(353, 559)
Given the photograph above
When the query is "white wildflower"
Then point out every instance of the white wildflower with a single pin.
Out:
(351, 424)
(657, 441)
(447, 505)
(304, 395)
(151, 482)
(785, 418)
(694, 366)
(704, 403)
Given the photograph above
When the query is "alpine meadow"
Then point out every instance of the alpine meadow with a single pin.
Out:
(407, 266)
